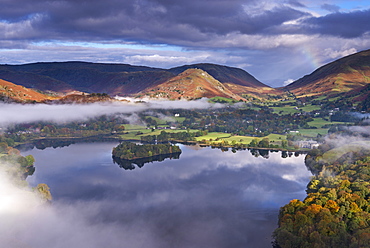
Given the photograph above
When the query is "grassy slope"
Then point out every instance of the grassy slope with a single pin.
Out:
(320, 122)
(334, 154)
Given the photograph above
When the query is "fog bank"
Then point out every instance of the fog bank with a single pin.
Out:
(27, 221)
(19, 113)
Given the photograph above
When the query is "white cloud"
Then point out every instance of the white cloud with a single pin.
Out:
(165, 60)
(287, 82)
(335, 54)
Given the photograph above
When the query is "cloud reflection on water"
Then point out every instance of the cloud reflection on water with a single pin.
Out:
(207, 198)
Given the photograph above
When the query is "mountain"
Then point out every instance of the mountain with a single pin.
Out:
(84, 76)
(33, 80)
(123, 79)
(223, 74)
(16, 93)
(346, 74)
(190, 84)
(234, 79)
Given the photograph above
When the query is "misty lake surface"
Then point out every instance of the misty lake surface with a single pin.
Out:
(207, 198)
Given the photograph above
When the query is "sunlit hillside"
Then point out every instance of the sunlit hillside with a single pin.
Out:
(17, 93)
(343, 75)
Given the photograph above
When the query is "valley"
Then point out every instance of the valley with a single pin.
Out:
(154, 114)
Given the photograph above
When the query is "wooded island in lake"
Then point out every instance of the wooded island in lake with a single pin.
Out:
(131, 151)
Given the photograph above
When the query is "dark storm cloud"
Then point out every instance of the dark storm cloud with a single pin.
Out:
(346, 25)
(174, 22)
(141, 20)
(169, 33)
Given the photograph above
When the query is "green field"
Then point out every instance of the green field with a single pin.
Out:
(219, 99)
(320, 122)
(312, 133)
(310, 108)
(219, 137)
(213, 136)
(276, 137)
(292, 109)
(161, 121)
(132, 132)
(286, 110)
(334, 154)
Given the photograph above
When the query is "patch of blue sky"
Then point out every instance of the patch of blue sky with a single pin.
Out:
(353, 5)
(110, 45)
(315, 7)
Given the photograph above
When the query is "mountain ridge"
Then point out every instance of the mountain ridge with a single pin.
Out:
(191, 84)
(116, 79)
(345, 74)
(224, 74)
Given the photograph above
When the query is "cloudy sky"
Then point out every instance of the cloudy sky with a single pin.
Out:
(275, 41)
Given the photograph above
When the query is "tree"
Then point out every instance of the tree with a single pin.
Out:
(44, 191)
(30, 160)
(284, 143)
(119, 128)
(3, 147)
(253, 143)
(264, 143)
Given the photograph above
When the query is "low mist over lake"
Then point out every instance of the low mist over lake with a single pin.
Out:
(207, 198)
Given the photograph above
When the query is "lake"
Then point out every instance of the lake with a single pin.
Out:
(207, 198)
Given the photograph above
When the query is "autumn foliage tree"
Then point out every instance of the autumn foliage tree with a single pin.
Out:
(336, 211)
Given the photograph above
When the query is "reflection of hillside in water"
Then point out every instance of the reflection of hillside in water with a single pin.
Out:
(42, 144)
(140, 162)
(45, 143)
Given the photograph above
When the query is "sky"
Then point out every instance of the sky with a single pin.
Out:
(275, 41)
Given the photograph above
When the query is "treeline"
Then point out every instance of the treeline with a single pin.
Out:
(14, 164)
(18, 167)
(258, 121)
(336, 211)
(165, 137)
(130, 151)
(95, 126)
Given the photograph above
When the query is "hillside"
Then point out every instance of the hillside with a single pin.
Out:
(123, 79)
(224, 74)
(234, 79)
(190, 84)
(86, 77)
(85, 98)
(343, 75)
(16, 93)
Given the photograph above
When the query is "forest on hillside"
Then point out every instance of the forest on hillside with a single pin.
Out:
(336, 211)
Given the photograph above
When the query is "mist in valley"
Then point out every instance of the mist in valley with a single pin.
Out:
(170, 213)
(63, 113)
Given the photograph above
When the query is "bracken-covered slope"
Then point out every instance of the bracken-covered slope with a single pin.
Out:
(236, 80)
(16, 93)
(343, 75)
(190, 84)
(223, 74)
